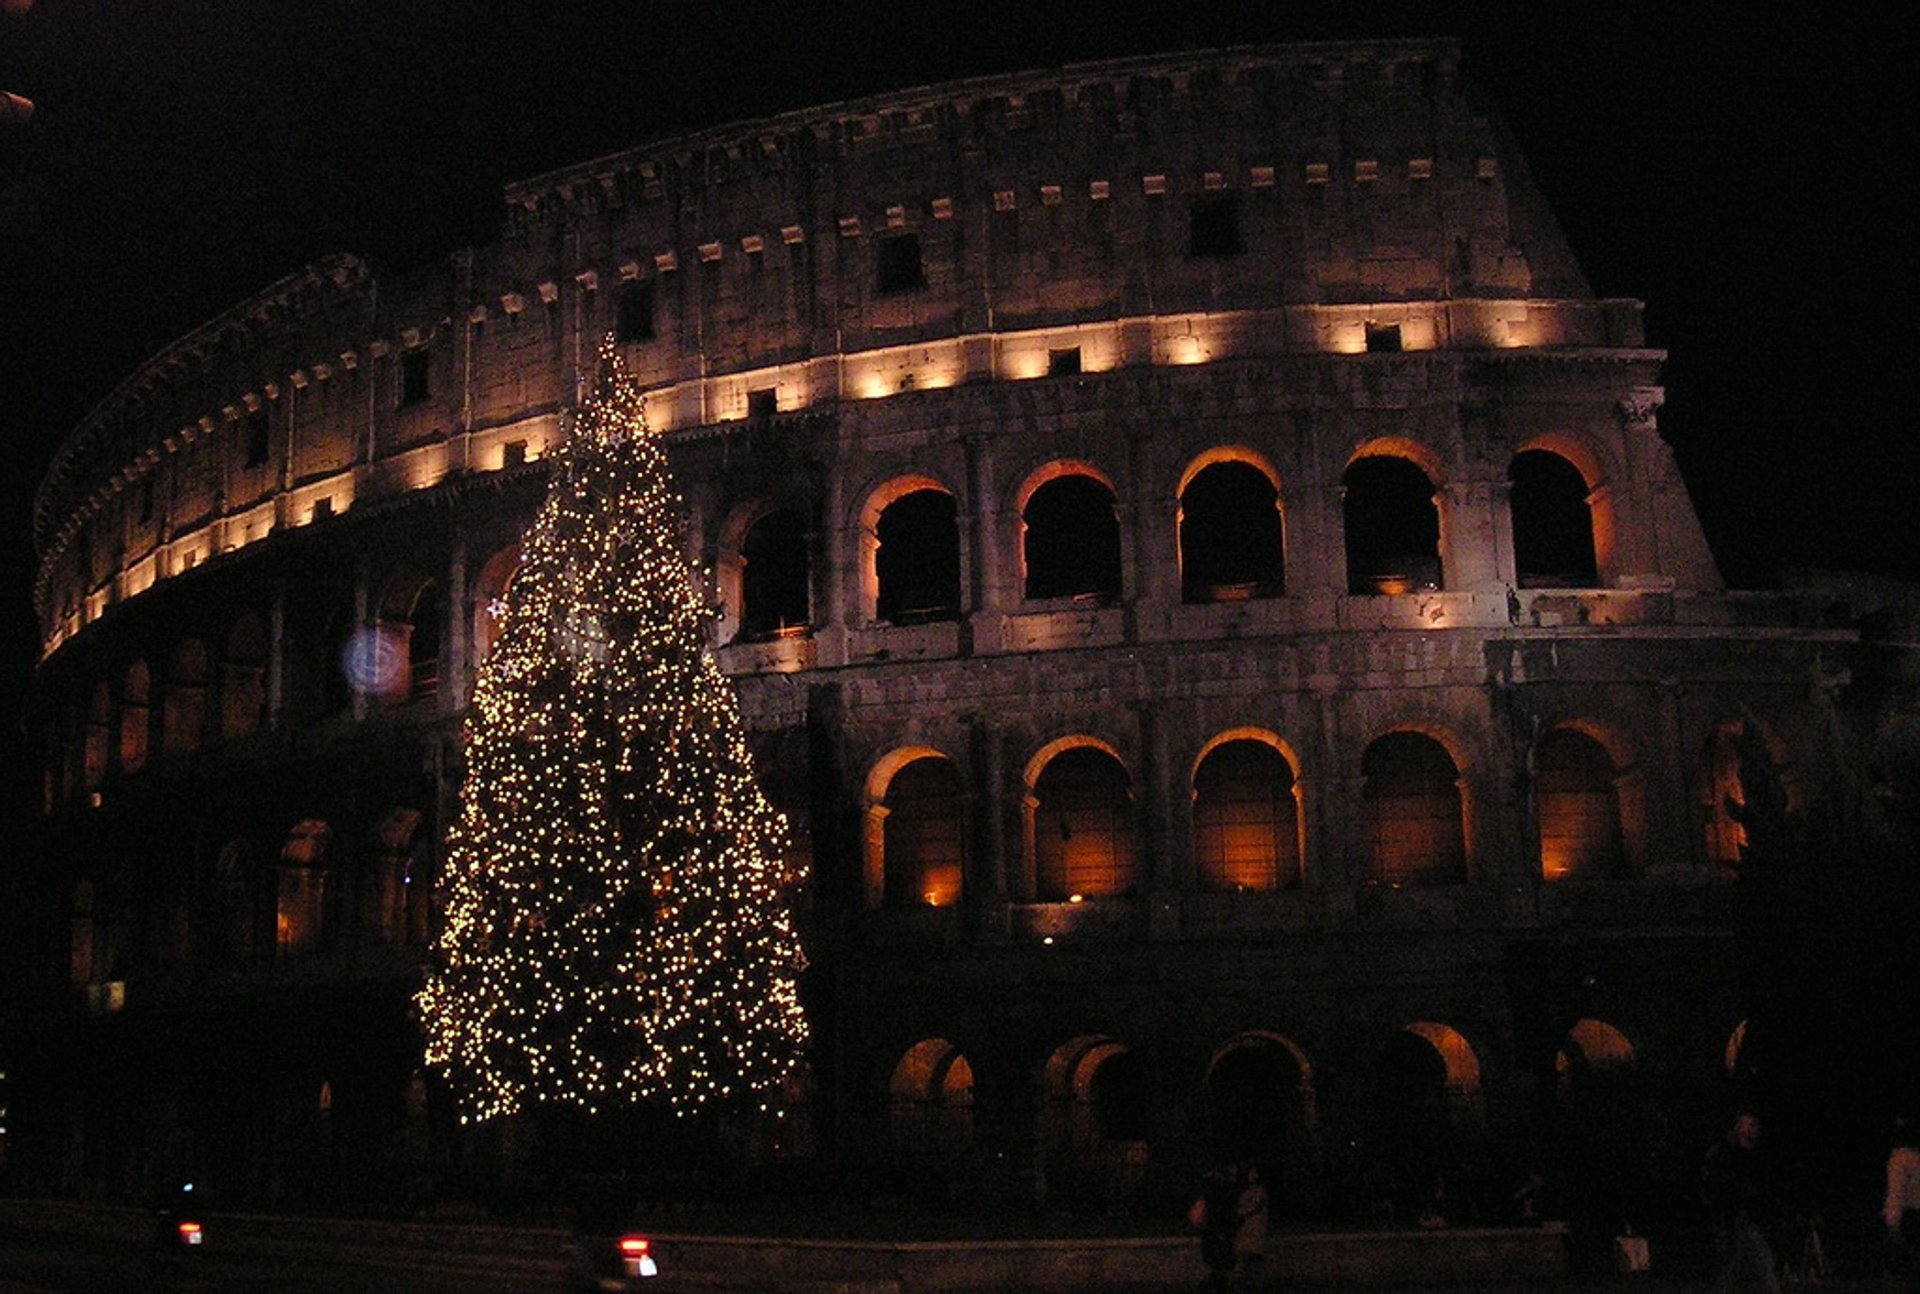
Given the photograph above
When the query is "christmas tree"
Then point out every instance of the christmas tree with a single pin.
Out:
(618, 930)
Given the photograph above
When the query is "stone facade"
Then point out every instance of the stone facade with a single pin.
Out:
(1200, 568)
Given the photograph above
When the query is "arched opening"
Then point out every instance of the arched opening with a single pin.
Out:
(1742, 772)
(922, 853)
(490, 600)
(1392, 527)
(98, 738)
(1415, 834)
(930, 1102)
(243, 678)
(184, 718)
(80, 935)
(1605, 1139)
(1259, 1109)
(1578, 804)
(136, 717)
(917, 559)
(410, 632)
(300, 910)
(396, 897)
(426, 636)
(775, 572)
(1552, 523)
(1246, 818)
(237, 902)
(1427, 1112)
(1095, 1120)
(1071, 540)
(1083, 827)
(1232, 542)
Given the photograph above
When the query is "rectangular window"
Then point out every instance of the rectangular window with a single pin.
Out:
(763, 404)
(146, 500)
(513, 453)
(897, 265)
(1215, 228)
(1063, 362)
(258, 433)
(1383, 338)
(414, 372)
(635, 322)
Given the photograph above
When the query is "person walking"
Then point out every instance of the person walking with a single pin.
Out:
(1250, 1240)
(1217, 1213)
(1739, 1198)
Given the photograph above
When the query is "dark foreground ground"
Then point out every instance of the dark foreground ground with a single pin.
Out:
(74, 1250)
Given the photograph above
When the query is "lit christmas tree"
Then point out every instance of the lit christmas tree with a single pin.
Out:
(618, 930)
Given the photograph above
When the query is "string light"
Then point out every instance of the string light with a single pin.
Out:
(618, 927)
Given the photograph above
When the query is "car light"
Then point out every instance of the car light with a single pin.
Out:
(191, 1233)
(637, 1257)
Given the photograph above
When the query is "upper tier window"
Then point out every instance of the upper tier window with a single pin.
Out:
(415, 369)
(635, 321)
(1214, 228)
(897, 266)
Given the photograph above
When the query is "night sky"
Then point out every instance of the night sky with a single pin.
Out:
(1745, 176)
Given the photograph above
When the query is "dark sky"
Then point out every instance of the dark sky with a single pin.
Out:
(1745, 176)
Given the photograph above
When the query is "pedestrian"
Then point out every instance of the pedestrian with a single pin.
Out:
(1739, 1197)
(1901, 1209)
(1250, 1240)
(1217, 1214)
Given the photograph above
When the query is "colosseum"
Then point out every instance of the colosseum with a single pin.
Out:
(1201, 572)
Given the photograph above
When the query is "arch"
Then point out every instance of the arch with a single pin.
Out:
(1080, 821)
(1095, 1119)
(766, 575)
(1246, 813)
(1597, 1045)
(1070, 535)
(1461, 1065)
(490, 598)
(1578, 453)
(1606, 1137)
(930, 1101)
(1258, 1095)
(1553, 524)
(243, 677)
(1413, 812)
(1391, 518)
(413, 618)
(300, 905)
(1577, 804)
(184, 715)
(915, 830)
(910, 552)
(397, 898)
(1427, 1099)
(96, 741)
(1232, 529)
(1728, 758)
(136, 717)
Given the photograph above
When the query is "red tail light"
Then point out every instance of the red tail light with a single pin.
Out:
(190, 1233)
(634, 1246)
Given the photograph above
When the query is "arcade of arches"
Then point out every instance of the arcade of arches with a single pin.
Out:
(1396, 1130)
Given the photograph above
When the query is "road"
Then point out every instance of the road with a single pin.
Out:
(44, 1263)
